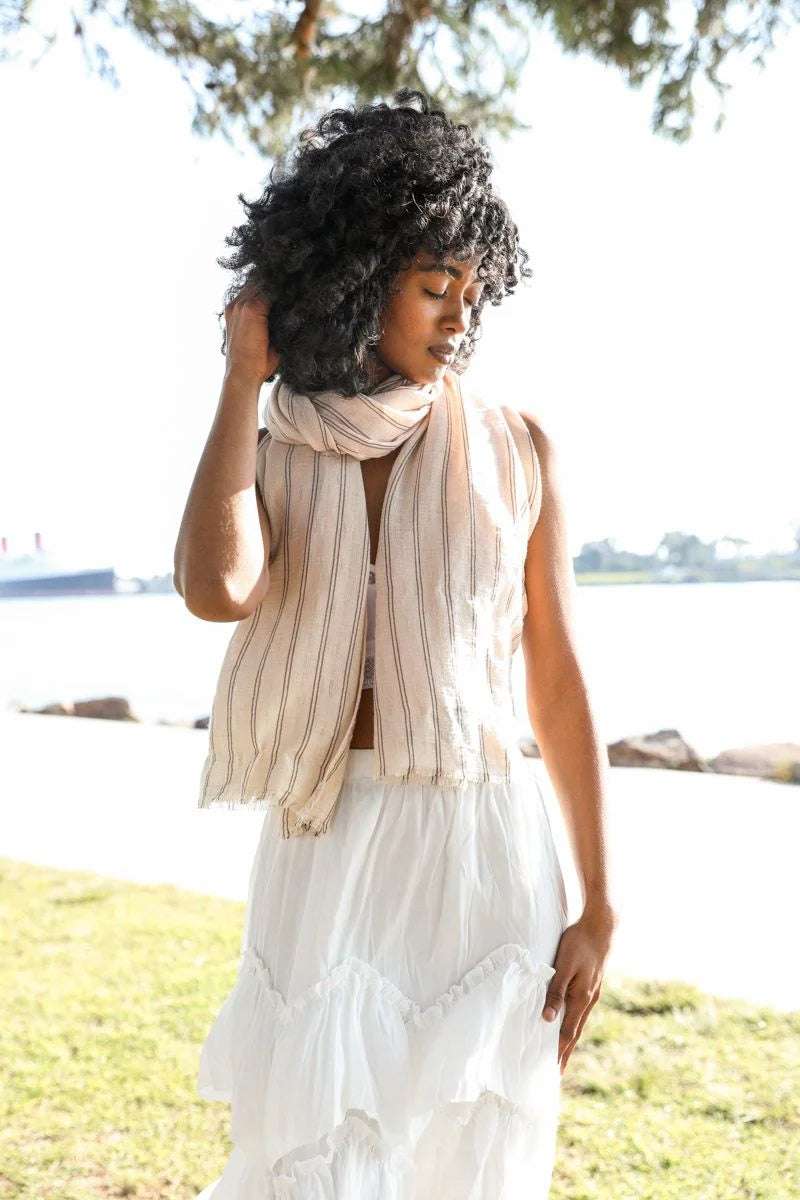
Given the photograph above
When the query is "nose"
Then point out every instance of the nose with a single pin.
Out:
(457, 317)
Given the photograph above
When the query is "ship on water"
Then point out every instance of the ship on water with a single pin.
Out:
(40, 574)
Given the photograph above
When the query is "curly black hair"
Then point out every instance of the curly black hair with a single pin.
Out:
(364, 191)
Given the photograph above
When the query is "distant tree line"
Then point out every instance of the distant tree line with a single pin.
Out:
(684, 556)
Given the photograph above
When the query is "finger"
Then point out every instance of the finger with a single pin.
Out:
(585, 1015)
(567, 1046)
(554, 997)
(257, 304)
(567, 1041)
(235, 299)
(249, 290)
(569, 1026)
(578, 1006)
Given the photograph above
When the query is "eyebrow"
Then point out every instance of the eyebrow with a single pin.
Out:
(444, 268)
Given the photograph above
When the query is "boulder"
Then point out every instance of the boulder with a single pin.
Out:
(665, 748)
(109, 708)
(529, 748)
(53, 710)
(773, 760)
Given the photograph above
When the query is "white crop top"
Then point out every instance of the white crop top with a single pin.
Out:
(369, 661)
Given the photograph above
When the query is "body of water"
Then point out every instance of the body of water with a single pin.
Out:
(718, 662)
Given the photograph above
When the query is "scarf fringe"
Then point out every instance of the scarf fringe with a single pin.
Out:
(446, 779)
(254, 804)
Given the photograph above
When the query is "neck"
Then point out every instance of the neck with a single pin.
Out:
(379, 372)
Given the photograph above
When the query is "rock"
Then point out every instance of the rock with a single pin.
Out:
(529, 748)
(666, 748)
(109, 708)
(774, 760)
(201, 723)
(55, 710)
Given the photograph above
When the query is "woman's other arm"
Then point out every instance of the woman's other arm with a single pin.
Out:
(558, 702)
(221, 562)
(561, 716)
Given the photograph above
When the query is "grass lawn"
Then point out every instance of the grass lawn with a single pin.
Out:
(110, 987)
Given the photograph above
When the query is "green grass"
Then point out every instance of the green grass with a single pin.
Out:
(109, 989)
(677, 1094)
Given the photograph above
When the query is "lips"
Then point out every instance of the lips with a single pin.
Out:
(444, 351)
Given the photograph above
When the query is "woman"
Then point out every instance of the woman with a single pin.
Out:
(410, 988)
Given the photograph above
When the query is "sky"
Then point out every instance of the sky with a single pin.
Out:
(656, 342)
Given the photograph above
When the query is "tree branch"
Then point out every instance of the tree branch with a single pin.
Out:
(401, 19)
(305, 31)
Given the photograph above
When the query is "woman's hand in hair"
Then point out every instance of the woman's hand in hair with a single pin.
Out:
(248, 353)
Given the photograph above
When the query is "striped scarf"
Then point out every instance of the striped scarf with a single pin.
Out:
(458, 509)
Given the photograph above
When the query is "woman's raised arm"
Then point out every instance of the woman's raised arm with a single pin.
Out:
(222, 551)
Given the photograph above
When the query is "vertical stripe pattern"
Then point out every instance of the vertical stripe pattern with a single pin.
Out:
(462, 499)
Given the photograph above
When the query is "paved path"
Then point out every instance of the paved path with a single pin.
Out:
(703, 867)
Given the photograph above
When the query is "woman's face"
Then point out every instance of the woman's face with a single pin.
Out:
(427, 317)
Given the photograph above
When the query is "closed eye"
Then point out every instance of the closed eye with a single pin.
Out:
(441, 296)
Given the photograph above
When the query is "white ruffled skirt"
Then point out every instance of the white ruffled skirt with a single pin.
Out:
(383, 1039)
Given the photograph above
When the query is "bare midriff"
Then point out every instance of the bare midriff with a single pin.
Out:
(375, 473)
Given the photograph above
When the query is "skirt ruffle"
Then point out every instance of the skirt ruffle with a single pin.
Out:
(354, 1089)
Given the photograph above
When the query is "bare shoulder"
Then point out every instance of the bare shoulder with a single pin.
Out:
(550, 516)
(541, 438)
(549, 636)
(546, 453)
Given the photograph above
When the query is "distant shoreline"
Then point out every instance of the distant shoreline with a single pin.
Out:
(676, 575)
(663, 749)
(689, 575)
(159, 585)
